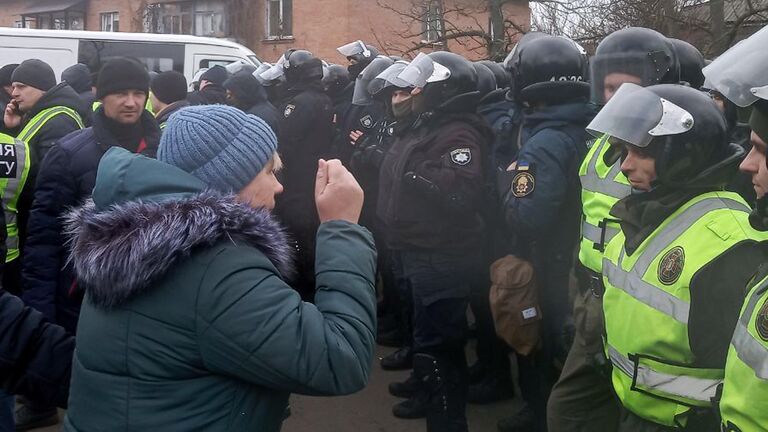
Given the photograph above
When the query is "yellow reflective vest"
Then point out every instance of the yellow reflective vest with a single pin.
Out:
(647, 304)
(744, 401)
(14, 171)
(602, 186)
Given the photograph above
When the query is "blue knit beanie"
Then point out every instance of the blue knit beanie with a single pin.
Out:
(220, 145)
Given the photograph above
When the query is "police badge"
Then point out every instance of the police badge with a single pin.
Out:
(461, 156)
(367, 121)
(671, 265)
(761, 324)
(289, 110)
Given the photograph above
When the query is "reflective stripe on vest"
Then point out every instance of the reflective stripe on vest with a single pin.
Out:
(11, 188)
(632, 283)
(595, 233)
(37, 122)
(647, 307)
(602, 187)
(753, 353)
(692, 390)
(606, 185)
(743, 405)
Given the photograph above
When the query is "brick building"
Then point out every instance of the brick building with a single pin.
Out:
(269, 27)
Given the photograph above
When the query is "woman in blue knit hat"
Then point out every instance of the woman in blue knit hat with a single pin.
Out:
(188, 323)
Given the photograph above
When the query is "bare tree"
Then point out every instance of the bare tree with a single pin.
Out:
(711, 25)
(482, 27)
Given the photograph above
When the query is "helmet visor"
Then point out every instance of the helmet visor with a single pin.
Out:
(361, 95)
(636, 115)
(612, 70)
(741, 71)
(353, 49)
(276, 71)
(423, 70)
(389, 78)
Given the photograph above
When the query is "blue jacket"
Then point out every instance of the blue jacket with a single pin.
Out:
(66, 178)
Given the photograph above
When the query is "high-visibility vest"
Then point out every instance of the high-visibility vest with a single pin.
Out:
(40, 119)
(744, 401)
(602, 186)
(647, 304)
(14, 171)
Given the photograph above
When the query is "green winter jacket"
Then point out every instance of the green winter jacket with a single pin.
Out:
(188, 323)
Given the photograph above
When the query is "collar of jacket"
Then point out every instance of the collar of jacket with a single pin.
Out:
(160, 234)
(150, 132)
(166, 112)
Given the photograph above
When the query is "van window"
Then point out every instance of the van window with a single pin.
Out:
(158, 57)
(208, 63)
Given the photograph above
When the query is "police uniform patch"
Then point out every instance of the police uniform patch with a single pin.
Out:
(523, 184)
(461, 156)
(366, 121)
(289, 110)
(391, 131)
(761, 324)
(671, 265)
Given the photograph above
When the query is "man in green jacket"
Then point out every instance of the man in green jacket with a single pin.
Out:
(188, 323)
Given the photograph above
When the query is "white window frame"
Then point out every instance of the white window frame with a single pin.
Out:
(432, 23)
(268, 31)
(111, 18)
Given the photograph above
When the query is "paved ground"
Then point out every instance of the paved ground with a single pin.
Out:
(370, 410)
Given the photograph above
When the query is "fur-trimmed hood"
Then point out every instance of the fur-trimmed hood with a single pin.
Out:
(145, 216)
(118, 253)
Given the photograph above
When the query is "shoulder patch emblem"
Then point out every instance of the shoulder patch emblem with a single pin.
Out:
(461, 156)
(391, 131)
(523, 184)
(761, 324)
(289, 110)
(671, 265)
(367, 121)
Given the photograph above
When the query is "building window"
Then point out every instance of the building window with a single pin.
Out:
(199, 18)
(433, 21)
(110, 22)
(65, 20)
(279, 19)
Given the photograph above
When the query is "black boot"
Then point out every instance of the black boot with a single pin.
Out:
(405, 389)
(491, 389)
(446, 384)
(31, 417)
(401, 359)
(414, 407)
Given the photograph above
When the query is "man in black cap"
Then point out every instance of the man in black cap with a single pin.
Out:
(67, 176)
(244, 91)
(211, 87)
(168, 95)
(6, 86)
(79, 78)
(41, 112)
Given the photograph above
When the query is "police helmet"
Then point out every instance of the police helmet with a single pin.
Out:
(499, 73)
(363, 95)
(679, 126)
(335, 79)
(359, 54)
(691, 61)
(486, 81)
(551, 69)
(642, 53)
(302, 65)
(448, 80)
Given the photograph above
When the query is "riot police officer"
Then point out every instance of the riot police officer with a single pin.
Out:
(430, 184)
(739, 77)
(542, 201)
(306, 131)
(582, 397)
(679, 264)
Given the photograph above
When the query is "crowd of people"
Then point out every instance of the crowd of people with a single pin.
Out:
(186, 260)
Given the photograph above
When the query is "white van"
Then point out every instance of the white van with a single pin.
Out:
(159, 52)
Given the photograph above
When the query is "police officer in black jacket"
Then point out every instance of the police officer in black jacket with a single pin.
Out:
(430, 193)
(306, 131)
